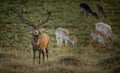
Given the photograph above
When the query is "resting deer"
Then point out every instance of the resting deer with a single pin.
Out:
(86, 9)
(100, 37)
(106, 29)
(100, 10)
(63, 34)
(40, 41)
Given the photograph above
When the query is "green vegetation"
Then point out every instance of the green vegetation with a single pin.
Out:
(16, 54)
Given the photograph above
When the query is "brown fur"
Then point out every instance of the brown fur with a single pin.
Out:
(41, 45)
(102, 34)
(40, 41)
(105, 37)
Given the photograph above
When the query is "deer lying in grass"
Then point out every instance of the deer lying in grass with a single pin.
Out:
(86, 9)
(40, 41)
(63, 34)
(106, 29)
(100, 37)
(101, 10)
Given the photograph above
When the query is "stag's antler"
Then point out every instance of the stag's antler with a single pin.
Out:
(48, 13)
(21, 16)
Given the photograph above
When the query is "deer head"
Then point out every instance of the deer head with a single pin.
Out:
(37, 29)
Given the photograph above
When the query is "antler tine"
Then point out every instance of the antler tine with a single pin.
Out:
(48, 13)
(21, 16)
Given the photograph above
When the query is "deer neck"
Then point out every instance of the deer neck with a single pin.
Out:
(35, 38)
(70, 39)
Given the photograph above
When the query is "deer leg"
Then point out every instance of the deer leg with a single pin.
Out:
(61, 41)
(39, 56)
(47, 53)
(111, 36)
(34, 53)
(57, 41)
(86, 13)
(103, 13)
(43, 55)
(66, 42)
(81, 12)
(108, 42)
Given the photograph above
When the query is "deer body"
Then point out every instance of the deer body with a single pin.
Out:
(106, 29)
(63, 34)
(41, 45)
(101, 10)
(40, 41)
(100, 37)
(85, 9)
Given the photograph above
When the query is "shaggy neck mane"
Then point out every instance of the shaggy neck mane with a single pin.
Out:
(36, 38)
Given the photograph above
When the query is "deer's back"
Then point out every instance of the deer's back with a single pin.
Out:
(62, 31)
(103, 26)
(85, 6)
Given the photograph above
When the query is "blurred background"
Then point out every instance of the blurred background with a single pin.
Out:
(85, 57)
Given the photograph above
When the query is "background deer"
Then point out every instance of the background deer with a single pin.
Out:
(40, 41)
(63, 34)
(86, 9)
(100, 37)
(100, 10)
(106, 29)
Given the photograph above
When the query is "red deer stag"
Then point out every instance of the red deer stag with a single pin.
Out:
(40, 41)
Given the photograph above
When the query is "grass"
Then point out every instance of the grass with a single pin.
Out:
(85, 57)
